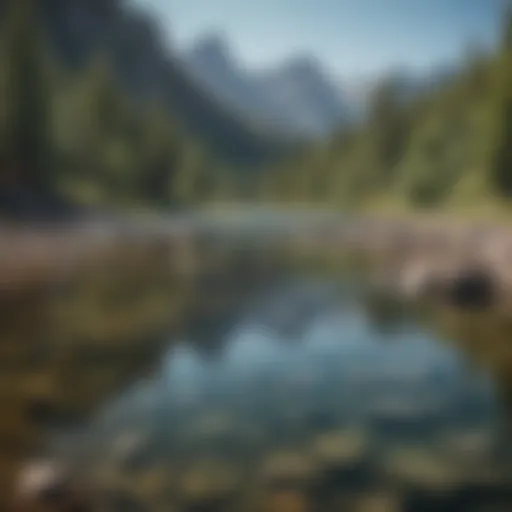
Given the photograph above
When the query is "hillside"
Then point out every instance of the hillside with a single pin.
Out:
(98, 110)
(447, 146)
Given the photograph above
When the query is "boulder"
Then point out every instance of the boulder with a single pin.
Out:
(288, 470)
(344, 459)
(472, 288)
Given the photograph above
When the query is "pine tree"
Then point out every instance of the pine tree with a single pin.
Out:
(98, 138)
(506, 38)
(27, 147)
(159, 156)
(502, 159)
(389, 127)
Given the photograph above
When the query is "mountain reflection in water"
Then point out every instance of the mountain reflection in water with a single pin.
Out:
(309, 406)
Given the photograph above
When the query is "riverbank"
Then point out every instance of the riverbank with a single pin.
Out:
(412, 251)
(436, 246)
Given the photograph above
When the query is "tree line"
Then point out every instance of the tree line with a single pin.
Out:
(450, 146)
(76, 134)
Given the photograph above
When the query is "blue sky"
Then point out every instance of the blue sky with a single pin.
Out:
(352, 37)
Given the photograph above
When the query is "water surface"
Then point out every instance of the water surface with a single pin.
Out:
(313, 401)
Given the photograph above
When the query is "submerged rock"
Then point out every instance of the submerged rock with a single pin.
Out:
(340, 448)
(287, 501)
(344, 459)
(119, 501)
(378, 501)
(472, 288)
(469, 447)
(208, 485)
(288, 470)
(429, 482)
(46, 485)
(422, 469)
(131, 451)
(459, 285)
(403, 420)
(42, 480)
(418, 280)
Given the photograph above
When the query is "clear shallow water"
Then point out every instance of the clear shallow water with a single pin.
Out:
(305, 367)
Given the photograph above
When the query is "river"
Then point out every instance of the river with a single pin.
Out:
(306, 391)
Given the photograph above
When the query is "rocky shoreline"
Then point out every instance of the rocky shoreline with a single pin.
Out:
(467, 265)
(440, 247)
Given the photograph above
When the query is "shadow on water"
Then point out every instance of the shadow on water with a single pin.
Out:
(283, 382)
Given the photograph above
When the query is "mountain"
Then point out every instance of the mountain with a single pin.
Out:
(300, 93)
(148, 69)
(211, 61)
(296, 97)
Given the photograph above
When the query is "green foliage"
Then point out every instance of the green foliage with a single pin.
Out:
(502, 157)
(450, 146)
(506, 40)
(78, 132)
(25, 147)
(158, 156)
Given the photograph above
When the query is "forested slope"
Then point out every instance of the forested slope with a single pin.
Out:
(450, 147)
(97, 109)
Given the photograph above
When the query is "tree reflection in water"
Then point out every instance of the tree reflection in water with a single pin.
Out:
(320, 426)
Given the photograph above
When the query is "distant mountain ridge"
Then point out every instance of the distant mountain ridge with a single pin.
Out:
(297, 97)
